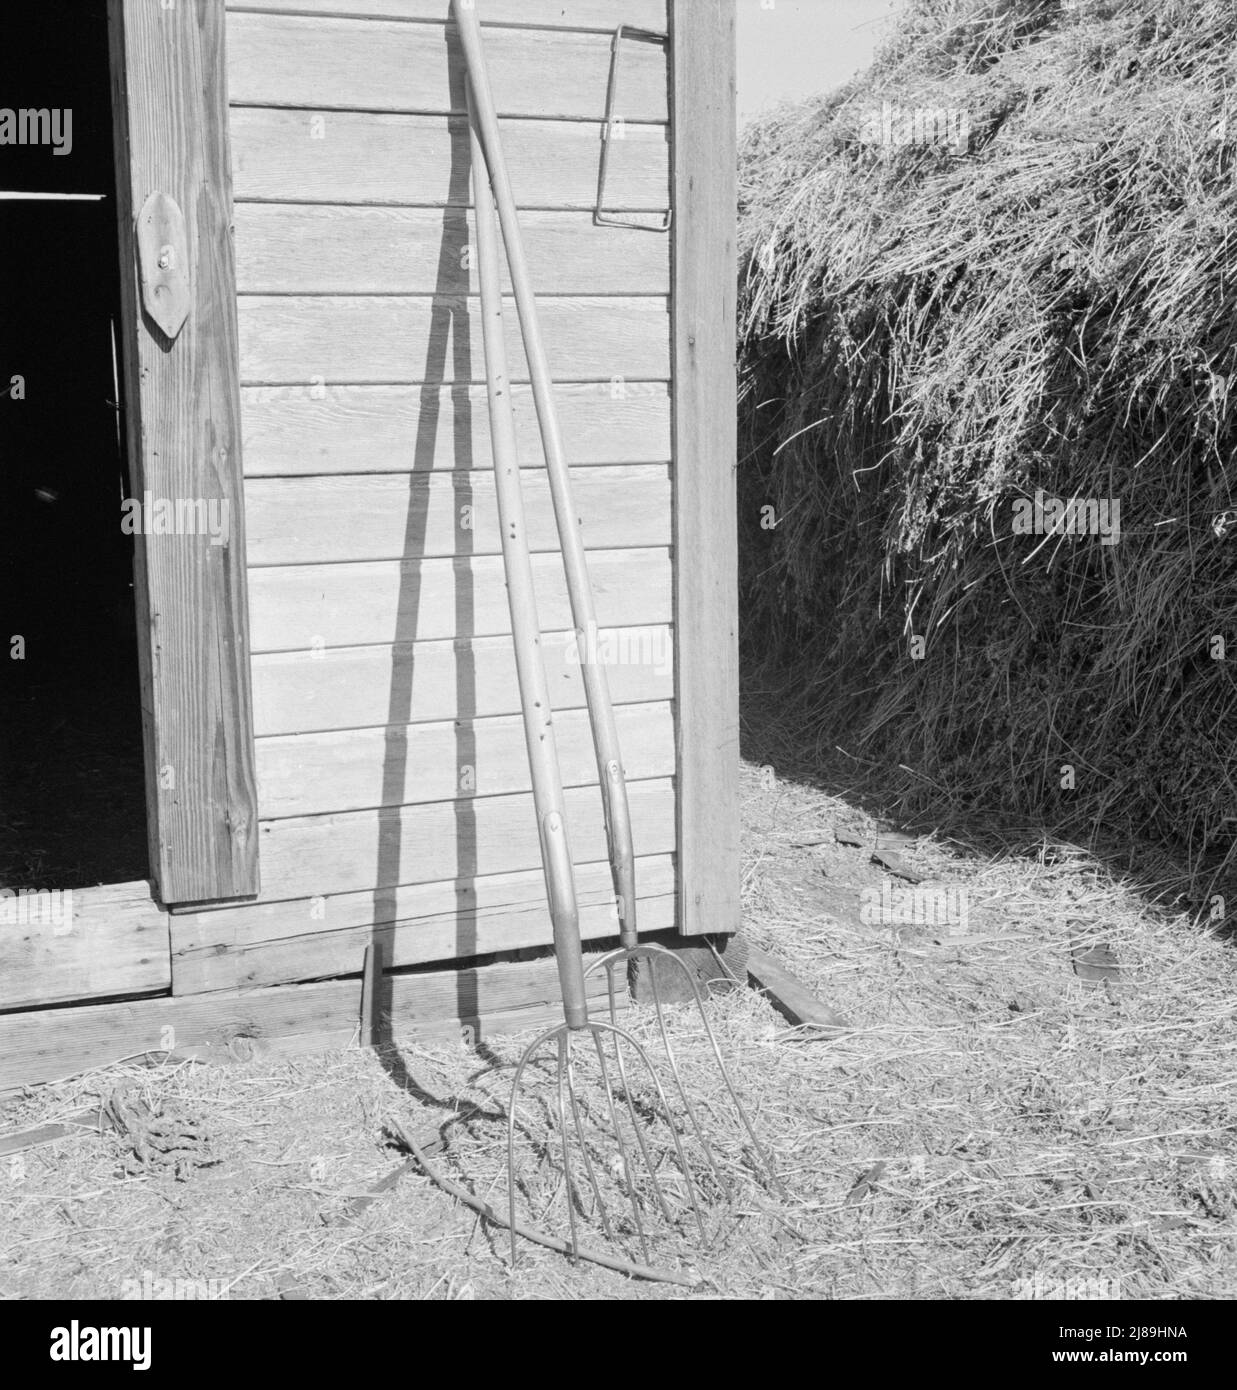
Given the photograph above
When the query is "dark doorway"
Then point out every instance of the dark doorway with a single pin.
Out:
(72, 791)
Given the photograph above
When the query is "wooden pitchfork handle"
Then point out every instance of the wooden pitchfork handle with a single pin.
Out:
(522, 600)
(484, 124)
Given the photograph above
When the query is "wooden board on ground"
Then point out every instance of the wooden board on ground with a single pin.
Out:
(1094, 961)
(85, 944)
(83, 1122)
(52, 1044)
(792, 999)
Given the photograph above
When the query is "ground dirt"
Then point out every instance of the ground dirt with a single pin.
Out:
(994, 1126)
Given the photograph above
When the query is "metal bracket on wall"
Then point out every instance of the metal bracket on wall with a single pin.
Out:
(163, 262)
(601, 218)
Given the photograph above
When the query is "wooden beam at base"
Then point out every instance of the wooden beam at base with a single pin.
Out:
(792, 999)
(83, 1122)
(314, 939)
(688, 966)
(84, 943)
(54, 1044)
(705, 408)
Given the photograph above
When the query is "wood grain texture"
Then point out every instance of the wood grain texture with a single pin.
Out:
(55, 1043)
(705, 450)
(239, 1049)
(290, 430)
(295, 340)
(88, 944)
(276, 943)
(792, 999)
(285, 248)
(183, 421)
(302, 607)
(299, 521)
(354, 851)
(368, 65)
(360, 687)
(316, 774)
(422, 161)
(604, 15)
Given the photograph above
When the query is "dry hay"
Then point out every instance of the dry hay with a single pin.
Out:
(1029, 1129)
(992, 1128)
(931, 334)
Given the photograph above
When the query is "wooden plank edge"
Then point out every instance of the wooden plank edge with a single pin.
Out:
(231, 1028)
(83, 1122)
(792, 999)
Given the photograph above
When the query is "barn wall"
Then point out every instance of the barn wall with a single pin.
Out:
(392, 777)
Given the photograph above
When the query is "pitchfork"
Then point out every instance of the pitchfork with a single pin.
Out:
(630, 1146)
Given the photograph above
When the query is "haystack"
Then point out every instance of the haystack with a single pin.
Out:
(988, 337)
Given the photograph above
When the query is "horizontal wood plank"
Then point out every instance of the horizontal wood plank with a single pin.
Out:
(357, 850)
(300, 608)
(424, 161)
(288, 248)
(365, 65)
(295, 340)
(83, 944)
(359, 687)
(297, 521)
(53, 1043)
(605, 15)
(246, 948)
(318, 774)
(291, 430)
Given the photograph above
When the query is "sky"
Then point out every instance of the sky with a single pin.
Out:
(790, 49)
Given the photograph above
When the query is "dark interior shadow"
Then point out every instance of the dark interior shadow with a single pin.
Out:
(72, 780)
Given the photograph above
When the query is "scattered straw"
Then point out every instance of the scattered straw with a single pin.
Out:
(992, 1128)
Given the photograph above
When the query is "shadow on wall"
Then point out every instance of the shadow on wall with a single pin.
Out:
(449, 338)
